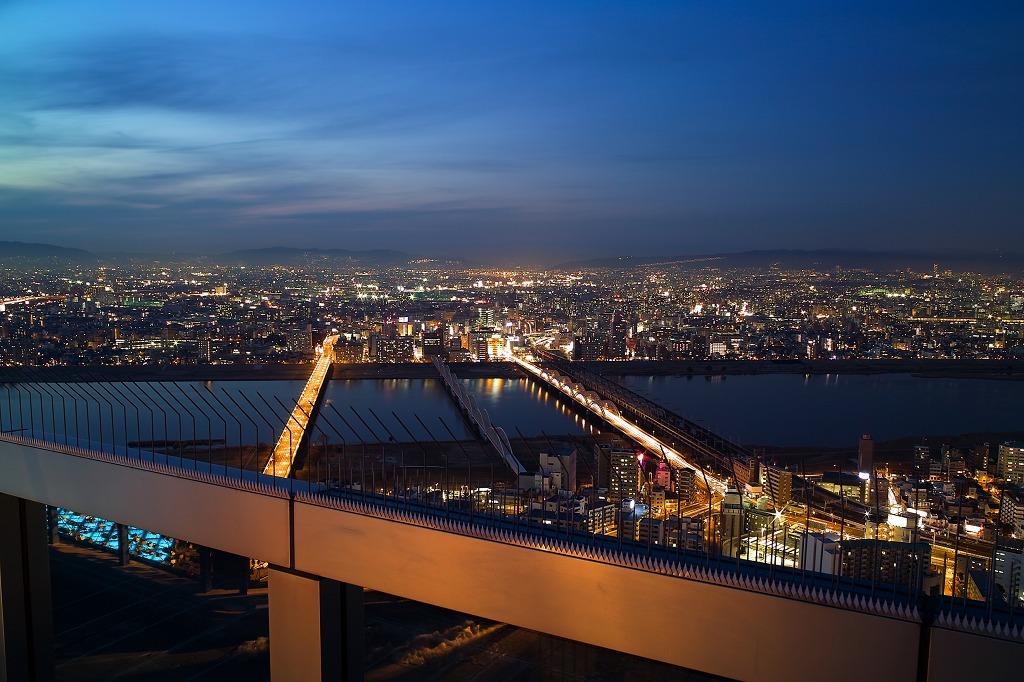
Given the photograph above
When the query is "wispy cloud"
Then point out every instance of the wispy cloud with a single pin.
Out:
(605, 127)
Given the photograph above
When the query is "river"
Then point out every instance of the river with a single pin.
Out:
(767, 409)
(834, 410)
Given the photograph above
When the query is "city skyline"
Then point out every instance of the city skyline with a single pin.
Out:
(586, 130)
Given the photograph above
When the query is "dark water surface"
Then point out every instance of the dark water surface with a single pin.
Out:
(249, 411)
(511, 403)
(767, 409)
(835, 410)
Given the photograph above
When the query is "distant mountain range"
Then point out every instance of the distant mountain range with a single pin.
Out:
(820, 259)
(43, 252)
(282, 255)
(823, 259)
(275, 255)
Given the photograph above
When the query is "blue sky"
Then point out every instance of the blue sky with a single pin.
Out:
(535, 131)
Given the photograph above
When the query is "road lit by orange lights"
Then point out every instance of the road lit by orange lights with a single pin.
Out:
(628, 428)
(281, 461)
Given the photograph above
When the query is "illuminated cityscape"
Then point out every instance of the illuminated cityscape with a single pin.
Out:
(198, 314)
(926, 518)
(545, 341)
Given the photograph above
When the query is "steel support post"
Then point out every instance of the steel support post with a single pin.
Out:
(122, 544)
(26, 618)
(316, 628)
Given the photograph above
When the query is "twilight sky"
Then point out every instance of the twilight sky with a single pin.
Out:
(538, 131)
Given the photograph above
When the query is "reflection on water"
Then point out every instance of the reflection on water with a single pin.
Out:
(833, 410)
(421, 407)
(776, 409)
(99, 414)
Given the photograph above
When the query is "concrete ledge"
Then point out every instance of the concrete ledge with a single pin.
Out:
(954, 656)
(729, 632)
(237, 521)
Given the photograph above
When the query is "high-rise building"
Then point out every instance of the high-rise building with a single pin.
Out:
(866, 455)
(685, 481)
(746, 473)
(485, 318)
(658, 498)
(922, 461)
(433, 343)
(633, 515)
(300, 339)
(624, 483)
(1011, 462)
(588, 347)
(393, 350)
(560, 466)
(731, 522)
(204, 350)
(903, 563)
(496, 346)
(779, 485)
(684, 532)
(1009, 569)
(885, 561)
(979, 458)
(600, 517)
(1011, 510)
(478, 346)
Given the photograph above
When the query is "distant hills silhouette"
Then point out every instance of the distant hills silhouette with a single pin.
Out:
(810, 259)
(823, 259)
(283, 255)
(39, 252)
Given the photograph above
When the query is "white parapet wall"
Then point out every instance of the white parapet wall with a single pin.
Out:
(704, 620)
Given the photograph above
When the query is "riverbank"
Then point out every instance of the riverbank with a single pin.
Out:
(426, 370)
(293, 372)
(898, 452)
(952, 369)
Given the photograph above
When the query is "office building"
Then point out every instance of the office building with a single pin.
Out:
(866, 455)
(433, 344)
(922, 461)
(393, 350)
(819, 552)
(560, 468)
(588, 347)
(1011, 511)
(1010, 465)
(1009, 570)
(884, 561)
(685, 482)
(779, 484)
(624, 483)
(299, 339)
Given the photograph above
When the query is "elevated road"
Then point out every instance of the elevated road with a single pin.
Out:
(701, 448)
(608, 411)
(26, 299)
(282, 460)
